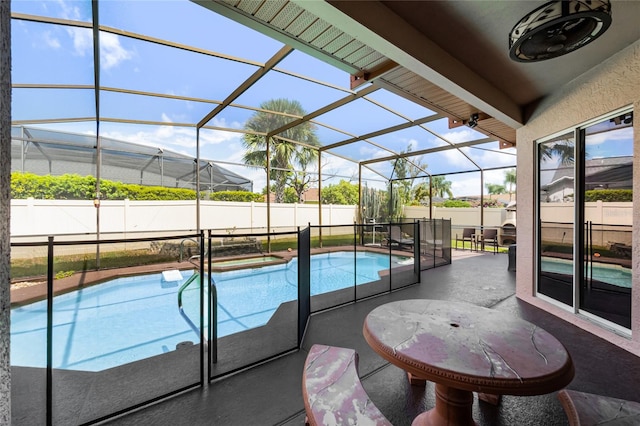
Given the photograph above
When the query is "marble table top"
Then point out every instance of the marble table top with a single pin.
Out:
(468, 347)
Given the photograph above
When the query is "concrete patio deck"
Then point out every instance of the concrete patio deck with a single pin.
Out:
(271, 393)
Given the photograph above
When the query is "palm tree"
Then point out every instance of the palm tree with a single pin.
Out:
(5, 200)
(494, 188)
(562, 149)
(441, 187)
(510, 180)
(284, 154)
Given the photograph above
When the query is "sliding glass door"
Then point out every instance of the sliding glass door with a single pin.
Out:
(585, 209)
(608, 210)
(556, 212)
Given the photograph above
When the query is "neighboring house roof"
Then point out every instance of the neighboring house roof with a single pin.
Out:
(611, 172)
(310, 194)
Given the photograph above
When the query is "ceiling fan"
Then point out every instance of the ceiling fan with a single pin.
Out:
(557, 28)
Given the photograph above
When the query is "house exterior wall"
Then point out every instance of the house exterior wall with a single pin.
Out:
(611, 85)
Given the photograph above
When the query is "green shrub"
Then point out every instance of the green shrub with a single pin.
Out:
(240, 196)
(453, 203)
(609, 195)
(76, 187)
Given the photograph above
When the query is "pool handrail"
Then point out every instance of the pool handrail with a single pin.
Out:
(192, 278)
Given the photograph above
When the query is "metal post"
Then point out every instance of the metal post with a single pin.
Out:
(198, 180)
(360, 214)
(430, 197)
(268, 167)
(481, 200)
(320, 198)
(50, 331)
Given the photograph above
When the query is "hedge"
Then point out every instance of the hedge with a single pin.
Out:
(608, 195)
(76, 187)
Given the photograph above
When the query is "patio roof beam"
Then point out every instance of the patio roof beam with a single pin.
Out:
(270, 64)
(50, 20)
(37, 145)
(428, 151)
(128, 34)
(250, 21)
(457, 146)
(153, 158)
(323, 110)
(366, 76)
(383, 131)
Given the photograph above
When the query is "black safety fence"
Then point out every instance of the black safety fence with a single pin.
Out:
(121, 323)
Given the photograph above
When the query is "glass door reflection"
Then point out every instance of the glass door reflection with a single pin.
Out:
(556, 218)
(608, 211)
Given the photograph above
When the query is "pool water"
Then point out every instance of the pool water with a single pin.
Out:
(244, 262)
(610, 274)
(132, 318)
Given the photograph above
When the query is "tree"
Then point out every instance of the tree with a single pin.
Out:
(441, 187)
(5, 205)
(406, 171)
(561, 149)
(510, 180)
(493, 188)
(343, 193)
(285, 155)
(421, 192)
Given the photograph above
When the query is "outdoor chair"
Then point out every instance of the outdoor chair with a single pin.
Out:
(489, 237)
(427, 240)
(397, 237)
(468, 234)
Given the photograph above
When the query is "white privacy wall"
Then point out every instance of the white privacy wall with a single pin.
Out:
(58, 217)
(61, 217)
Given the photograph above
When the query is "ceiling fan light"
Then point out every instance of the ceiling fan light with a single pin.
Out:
(557, 28)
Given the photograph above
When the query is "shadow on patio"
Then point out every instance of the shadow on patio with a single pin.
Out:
(271, 393)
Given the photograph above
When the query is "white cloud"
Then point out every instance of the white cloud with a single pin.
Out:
(625, 134)
(111, 51)
(373, 152)
(462, 135)
(69, 10)
(82, 41)
(50, 40)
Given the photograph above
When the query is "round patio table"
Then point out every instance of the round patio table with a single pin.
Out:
(464, 348)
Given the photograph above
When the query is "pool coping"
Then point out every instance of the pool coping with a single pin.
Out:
(36, 290)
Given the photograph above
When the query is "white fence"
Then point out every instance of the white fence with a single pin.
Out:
(59, 217)
(460, 216)
(620, 213)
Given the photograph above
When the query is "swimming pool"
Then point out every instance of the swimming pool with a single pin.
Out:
(611, 274)
(133, 318)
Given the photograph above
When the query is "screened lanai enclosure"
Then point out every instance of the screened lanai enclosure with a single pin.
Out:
(47, 152)
(338, 108)
(215, 96)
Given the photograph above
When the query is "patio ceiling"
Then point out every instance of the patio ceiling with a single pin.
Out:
(451, 56)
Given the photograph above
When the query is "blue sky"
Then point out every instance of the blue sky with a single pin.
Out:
(57, 54)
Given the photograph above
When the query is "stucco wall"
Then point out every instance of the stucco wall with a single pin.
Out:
(605, 88)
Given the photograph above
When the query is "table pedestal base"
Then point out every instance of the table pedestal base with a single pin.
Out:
(415, 380)
(453, 408)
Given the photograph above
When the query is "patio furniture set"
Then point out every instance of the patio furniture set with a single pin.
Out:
(397, 238)
(462, 348)
(482, 239)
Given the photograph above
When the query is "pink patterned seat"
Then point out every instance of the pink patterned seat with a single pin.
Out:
(332, 391)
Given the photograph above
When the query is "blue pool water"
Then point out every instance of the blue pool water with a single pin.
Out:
(611, 274)
(133, 318)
